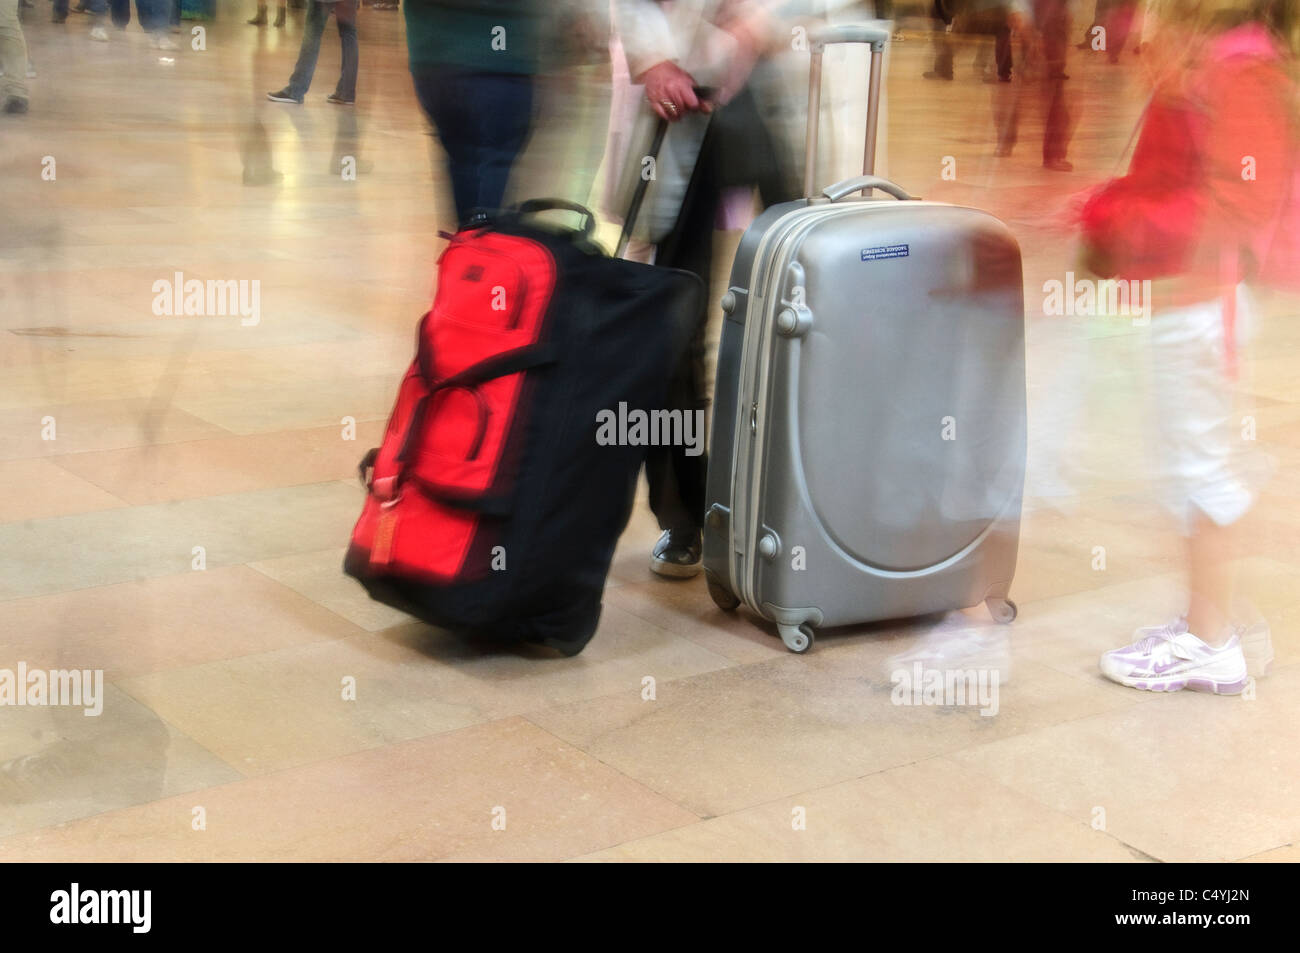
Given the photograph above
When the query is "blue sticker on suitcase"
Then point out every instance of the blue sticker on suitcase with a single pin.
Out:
(884, 251)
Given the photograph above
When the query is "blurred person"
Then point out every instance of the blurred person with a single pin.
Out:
(1115, 17)
(720, 141)
(318, 11)
(996, 18)
(572, 100)
(1050, 41)
(260, 18)
(13, 60)
(942, 11)
(1187, 217)
(474, 63)
(97, 9)
(153, 16)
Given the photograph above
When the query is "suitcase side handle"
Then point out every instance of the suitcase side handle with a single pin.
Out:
(860, 183)
(876, 38)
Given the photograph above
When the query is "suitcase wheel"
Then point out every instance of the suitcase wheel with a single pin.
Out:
(1002, 610)
(797, 638)
(722, 597)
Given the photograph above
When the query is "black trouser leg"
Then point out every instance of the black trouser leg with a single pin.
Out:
(677, 480)
(737, 139)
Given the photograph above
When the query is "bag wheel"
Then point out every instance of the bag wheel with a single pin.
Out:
(797, 638)
(1002, 610)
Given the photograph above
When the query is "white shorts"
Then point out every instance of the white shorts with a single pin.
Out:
(1206, 457)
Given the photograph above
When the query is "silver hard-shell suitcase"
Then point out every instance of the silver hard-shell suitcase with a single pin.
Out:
(868, 441)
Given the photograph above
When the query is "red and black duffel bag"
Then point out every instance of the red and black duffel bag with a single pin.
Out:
(492, 508)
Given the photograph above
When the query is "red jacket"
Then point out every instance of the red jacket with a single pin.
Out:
(1208, 198)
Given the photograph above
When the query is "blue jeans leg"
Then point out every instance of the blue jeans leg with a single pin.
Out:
(152, 15)
(313, 27)
(483, 120)
(345, 13)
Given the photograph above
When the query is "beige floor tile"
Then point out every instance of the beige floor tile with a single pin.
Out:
(56, 764)
(35, 489)
(101, 425)
(723, 741)
(685, 607)
(431, 799)
(935, 810)
(39, 557)
(1193, 777)
(151, 625)
(1289, 854)
(319, 576)
(179, 471)
(247, 407)
(283, 708)
(72, 377)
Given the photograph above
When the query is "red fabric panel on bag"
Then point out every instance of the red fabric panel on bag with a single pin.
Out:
(493, 294)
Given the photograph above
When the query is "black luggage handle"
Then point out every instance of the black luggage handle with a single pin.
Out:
(861, 183)
(535, 206)
(638, 196)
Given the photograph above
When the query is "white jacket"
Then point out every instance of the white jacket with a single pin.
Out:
(690, 34)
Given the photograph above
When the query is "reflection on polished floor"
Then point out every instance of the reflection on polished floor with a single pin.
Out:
(183, 530)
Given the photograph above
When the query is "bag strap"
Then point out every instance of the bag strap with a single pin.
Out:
(498, 365)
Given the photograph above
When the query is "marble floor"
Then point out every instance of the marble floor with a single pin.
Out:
(176, 493)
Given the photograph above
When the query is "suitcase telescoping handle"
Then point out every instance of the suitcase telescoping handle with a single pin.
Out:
(638, 196)
(876, 38)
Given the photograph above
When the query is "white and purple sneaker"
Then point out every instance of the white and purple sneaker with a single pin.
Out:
(1171, 658)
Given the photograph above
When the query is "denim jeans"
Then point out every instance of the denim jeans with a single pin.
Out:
(152, 13)
(483, 120)
(96, 7)
(345, 14)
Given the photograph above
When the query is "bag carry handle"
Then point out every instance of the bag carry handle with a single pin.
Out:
(861, 183)
(638, 196)
(876, 38)
(536, 206)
